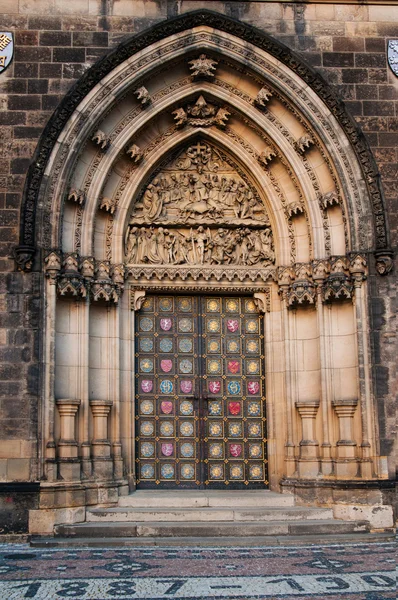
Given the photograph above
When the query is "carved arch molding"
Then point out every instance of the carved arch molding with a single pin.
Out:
(295, 181)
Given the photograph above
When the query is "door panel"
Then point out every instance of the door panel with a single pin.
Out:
(200, 393)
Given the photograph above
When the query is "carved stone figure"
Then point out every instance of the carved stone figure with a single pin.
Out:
(135, 153)
(198, 210)
(201, 114)
(180, 117)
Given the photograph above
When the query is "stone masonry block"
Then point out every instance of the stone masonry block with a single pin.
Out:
(379, 516)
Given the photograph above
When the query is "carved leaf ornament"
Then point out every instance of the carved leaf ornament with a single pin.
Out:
(198, 210)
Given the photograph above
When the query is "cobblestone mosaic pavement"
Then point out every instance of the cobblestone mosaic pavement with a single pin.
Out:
(335, 571)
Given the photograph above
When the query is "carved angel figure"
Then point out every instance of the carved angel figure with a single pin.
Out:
(203, 66)
(135, 153)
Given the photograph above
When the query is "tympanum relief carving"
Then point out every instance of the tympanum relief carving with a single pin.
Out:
(198, 210)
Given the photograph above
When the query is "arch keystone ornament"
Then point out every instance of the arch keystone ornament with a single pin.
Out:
(215, 231)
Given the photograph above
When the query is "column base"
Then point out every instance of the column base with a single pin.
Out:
(346, 467)
(308, 468)
(69, 469)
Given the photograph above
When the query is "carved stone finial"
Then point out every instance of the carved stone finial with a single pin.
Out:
(23, 256)
(77, 196)
(143, 96)
(135, 154)
(263, 97)
(266, 156)
(180, 117)
(384, 262)
(108, 205)
(202, 67)
(304, 143)
(99, 138)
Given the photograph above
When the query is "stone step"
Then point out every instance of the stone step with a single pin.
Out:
(292, 513)
(207, 498)
(214, 529)
(212, 542)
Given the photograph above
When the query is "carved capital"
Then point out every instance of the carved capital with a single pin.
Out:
(285, 276)
(87, 267)
(320, 270)
(23, 256)
(102, 270)
(358, 268)
(337, 287)
(72, 285)
(117, 272)
(52, 264)
(301, 293)
(71, 263)
(384, 262)
(109, 292)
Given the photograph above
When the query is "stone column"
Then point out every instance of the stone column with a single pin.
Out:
(284, 280)
(100, 443)
(87, 271)
(346, 461)
(308, 463)
(358, 272)
(68, 448)
(48, 449)
(321, 270)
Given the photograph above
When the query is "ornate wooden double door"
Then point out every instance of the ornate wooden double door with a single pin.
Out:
(200, 401)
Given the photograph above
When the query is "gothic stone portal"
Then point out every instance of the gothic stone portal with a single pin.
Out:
(200, 393)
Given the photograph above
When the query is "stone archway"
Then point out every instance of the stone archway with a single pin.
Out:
(299, 227)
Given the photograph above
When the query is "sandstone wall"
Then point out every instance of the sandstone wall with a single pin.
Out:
(56, 42)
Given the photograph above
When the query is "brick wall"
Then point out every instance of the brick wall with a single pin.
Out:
(57, 41)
